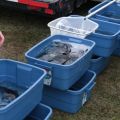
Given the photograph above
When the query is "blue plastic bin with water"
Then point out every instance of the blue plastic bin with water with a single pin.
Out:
(106, 38)
(73, 99)
(111, 13)
(26, 77)
(98, 64)
(63, 76)
(41, 112)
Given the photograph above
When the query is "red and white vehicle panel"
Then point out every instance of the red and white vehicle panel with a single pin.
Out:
(51, 7)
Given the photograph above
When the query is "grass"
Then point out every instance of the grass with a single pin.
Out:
(23, 30)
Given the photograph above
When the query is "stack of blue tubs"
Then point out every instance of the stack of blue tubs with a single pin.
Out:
(69, 87)
(110, 14)
(106, 40)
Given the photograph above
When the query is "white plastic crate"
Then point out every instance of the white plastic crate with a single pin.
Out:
(72, 26)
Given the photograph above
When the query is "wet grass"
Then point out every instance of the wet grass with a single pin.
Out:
(23, 30)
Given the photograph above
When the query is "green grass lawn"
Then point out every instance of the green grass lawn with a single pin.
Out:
(23, 30)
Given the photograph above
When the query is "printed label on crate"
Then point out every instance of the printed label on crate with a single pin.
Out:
(84, 98)
(48, 78)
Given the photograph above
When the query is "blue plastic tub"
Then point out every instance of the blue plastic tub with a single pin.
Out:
(25, 77)
(41, 112)
(106, 38)
(106, 15)
(73, 99)
(111, 13)
(62, 76)
(98, 64)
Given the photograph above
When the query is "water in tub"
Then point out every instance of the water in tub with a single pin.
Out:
(8, 93)
(64, 53)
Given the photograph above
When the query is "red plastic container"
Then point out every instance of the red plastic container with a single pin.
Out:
(1, 39)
